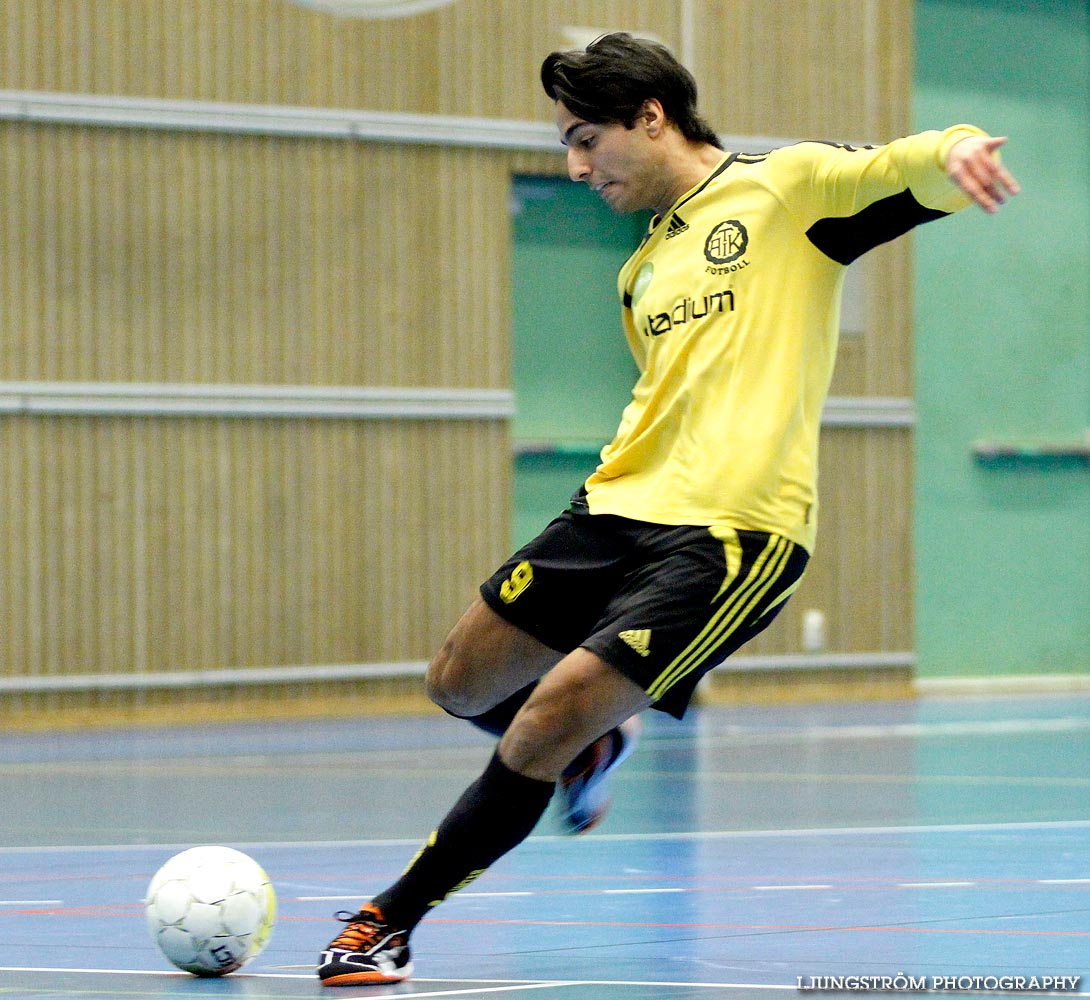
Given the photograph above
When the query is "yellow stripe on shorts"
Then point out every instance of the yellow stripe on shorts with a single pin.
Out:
(763, 575)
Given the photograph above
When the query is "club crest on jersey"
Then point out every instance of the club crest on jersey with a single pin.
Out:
(725, 246)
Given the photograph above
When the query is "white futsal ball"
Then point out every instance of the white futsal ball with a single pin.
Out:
(210, 910)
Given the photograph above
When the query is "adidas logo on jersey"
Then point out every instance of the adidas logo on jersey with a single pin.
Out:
(676, 226)
(639, 639)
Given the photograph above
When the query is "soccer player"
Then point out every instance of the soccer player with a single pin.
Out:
(696, 525)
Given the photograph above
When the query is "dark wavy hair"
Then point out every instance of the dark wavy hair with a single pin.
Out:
(610, 81)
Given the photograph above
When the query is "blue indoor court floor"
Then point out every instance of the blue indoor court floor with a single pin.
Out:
(750, 850)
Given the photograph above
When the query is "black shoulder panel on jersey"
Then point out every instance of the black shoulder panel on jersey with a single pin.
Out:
(846, 239)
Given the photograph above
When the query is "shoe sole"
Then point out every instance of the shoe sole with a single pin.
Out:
(367, 978)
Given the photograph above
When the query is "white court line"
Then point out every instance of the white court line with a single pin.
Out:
(835, 831)
(781, 888)
(332, 899)
(474, 991)
(96, 972)
(592, 838)
(508, 989)
(935, 885)
(847, 886)
(485, 985)
(401, 994)
(637, 892)
(793, 988)
(495, 895)
(365, 895)
(31, 902)
(892, 730)
(698, 986)
(505, 986)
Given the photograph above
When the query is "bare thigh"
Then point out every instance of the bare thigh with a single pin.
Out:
(483, 661)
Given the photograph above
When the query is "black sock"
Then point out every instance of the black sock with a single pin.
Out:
(495, 814)
(498, 718)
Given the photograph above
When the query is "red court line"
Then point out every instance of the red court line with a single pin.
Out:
(710, 883)
(631, 877)
(736, 883)
(131, 909)
(826, 885)
(738, 927)
(32, 876)
(778, 927)
(99, 910)
(703, 883)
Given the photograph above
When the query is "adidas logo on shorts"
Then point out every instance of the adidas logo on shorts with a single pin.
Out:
(639, 639)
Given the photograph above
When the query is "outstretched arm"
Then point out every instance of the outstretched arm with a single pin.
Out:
(974, 166)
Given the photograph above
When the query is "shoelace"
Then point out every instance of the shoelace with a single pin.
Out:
(364, 928)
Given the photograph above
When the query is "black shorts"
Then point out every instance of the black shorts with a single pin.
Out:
(662, 604)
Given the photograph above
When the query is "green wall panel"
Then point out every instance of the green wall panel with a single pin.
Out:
(1003, 348)
(572, 371)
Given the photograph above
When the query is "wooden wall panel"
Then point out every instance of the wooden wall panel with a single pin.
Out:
(809, 69)
(134, 545)
(154, 257)
(861, 572)
(474, 57)
(256, 51)
(841, 70)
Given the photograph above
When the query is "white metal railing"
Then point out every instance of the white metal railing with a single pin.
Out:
(349, 402)
(107, 111)
(193, 400)
(869, 411)
(145, 680)
(181, 679)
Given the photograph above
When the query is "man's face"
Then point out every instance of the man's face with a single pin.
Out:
(617, 163)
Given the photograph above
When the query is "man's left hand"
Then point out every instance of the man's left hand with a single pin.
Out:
(975, 167)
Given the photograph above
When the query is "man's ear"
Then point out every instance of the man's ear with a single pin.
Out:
(653, 117)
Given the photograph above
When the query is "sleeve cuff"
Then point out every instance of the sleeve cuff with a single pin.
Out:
(951, 137)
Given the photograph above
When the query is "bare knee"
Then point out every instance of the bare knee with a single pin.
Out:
(482, 661)
(448, 681)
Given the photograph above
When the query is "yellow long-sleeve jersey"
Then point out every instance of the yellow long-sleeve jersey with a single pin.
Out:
(731, 307)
